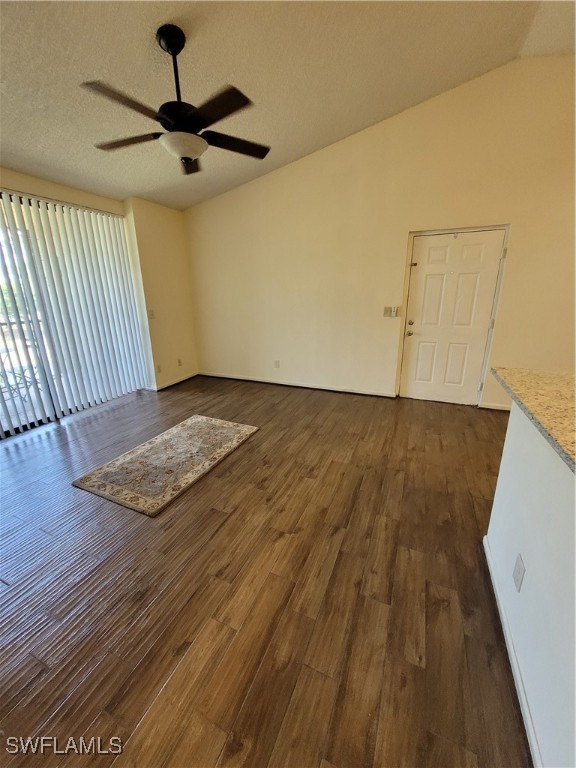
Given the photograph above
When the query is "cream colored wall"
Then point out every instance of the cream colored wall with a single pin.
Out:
(159, 235)
(298, 265)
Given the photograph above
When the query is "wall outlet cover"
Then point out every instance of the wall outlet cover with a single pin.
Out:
(518, 573)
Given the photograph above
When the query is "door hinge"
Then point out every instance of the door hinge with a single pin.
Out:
(504, 253)
(480, 386)
(492, 323)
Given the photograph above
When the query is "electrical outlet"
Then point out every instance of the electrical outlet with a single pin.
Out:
(518, 573)
(151, 314)
(158, 368)
(276, 363)
(179, 362)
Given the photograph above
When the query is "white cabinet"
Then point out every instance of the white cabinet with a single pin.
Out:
(533, 516)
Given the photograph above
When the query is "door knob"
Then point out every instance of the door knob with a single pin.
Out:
(409, 333)
(410, 322)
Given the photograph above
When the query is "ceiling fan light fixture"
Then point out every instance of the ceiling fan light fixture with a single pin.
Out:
(182, 144)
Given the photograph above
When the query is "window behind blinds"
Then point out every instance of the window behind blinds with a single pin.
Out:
(70, 335)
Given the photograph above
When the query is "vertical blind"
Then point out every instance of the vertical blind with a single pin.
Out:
(70, 335)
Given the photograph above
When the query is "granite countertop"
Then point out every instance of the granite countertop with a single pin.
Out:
(547, 398)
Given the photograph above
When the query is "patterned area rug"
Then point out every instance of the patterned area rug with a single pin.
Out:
(149, 477)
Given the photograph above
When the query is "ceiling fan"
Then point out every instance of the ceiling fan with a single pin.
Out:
(185, 124)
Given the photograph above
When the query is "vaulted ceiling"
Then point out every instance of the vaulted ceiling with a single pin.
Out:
(316, 72)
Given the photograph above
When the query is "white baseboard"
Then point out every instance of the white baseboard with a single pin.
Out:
(516, 672)
(285, 383)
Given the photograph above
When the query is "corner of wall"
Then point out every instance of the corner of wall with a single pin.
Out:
(160, 241)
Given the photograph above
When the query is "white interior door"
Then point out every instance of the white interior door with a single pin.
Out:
(453, 281)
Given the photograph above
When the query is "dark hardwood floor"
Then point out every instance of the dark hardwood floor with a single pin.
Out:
(318, 600)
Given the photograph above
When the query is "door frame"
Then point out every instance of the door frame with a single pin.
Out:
(495, 301)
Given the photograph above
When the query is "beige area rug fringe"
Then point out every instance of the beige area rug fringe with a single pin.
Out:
(153, 474)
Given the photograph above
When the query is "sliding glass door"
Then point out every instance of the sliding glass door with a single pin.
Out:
(70, 334)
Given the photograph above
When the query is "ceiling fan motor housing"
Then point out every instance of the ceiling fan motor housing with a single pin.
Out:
(179, 116)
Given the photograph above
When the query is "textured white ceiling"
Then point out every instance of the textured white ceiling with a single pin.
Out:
(316, 72)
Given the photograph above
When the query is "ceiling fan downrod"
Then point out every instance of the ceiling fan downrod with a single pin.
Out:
(172, 40)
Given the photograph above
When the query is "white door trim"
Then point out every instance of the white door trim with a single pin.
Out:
(495, 303)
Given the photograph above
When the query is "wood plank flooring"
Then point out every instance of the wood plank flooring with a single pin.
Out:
(318, 600)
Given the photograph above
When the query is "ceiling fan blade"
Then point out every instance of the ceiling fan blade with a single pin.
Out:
(189, 166)
(120, 98)
(119, 143)
(224, 103)
(233, 144)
